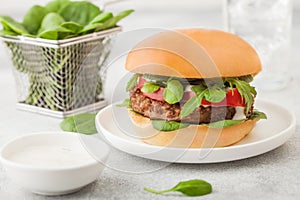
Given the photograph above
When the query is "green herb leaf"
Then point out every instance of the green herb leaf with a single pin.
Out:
(51, 27)
(72, 26)
(193, 102)
(90, 28)
(156, 78)
(81, 12)
(126, 103)
(173, 93)
(82, 123)
(245, 89)
(102, 18)
(132, 82)
(150, 87)
(5, 32)
(223, 123)
(190, 106)
(258, 115)
(215, 94)
(189, 188)
(33, 19)
(162, 125)
(247, 78)
(112, 22)
(56, 5)
(11, 25)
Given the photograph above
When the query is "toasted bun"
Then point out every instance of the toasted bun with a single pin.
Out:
(194, 136)
(194, 53)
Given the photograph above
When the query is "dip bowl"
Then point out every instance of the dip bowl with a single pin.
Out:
(54, 163)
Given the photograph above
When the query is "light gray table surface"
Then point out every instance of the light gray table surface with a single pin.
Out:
(273, 175)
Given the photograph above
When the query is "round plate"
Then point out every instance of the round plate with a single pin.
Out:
(114, 125)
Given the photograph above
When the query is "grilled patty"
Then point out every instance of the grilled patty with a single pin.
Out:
(154, 109)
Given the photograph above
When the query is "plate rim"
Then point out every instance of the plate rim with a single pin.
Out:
(216, 149)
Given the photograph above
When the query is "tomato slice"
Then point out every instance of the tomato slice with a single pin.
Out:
(233, 97)
(158, 95)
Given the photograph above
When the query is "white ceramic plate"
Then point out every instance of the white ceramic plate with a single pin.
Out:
(116, 128)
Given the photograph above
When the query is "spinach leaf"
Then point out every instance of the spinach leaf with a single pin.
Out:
(102, 18)
(33, 19)
(258, 115)
(51, 21)
(51, 27)
(6, 32)
(190, 106)
(223, 123)
(189, 188)
(193, 102)
(132, 82)
(81, 123)
(72, 26)
(112, 22)
(81, 12)
(156, 78)
(11, 25)
(150, 87)
(90, 28)
(162, 125)
(126, 103)
(173, 93)
(245, 89)
(215, 94)
(56, 5)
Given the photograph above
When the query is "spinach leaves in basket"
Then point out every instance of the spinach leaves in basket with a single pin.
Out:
(61, 19)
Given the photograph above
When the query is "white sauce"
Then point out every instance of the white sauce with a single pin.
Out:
(51, 156)
(188, 88)
(239, 114)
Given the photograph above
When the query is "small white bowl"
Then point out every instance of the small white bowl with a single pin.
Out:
(54, 163)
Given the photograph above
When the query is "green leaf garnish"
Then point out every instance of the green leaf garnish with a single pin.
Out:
(173, 93)
(126, 103)
(190, 106)
(245, 89)
(81, 123)
(132, 82)
(215, 94)
(150, 87)
(223, 123)
(189, 188)
(162, 125)
(258, 115)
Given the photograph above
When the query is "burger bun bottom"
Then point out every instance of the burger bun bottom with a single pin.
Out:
(193, 136)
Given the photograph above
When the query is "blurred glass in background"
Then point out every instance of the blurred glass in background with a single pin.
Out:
(266, 24)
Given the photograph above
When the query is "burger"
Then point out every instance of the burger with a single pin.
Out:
(191, 88)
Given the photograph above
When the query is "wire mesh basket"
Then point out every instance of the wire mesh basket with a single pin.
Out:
(60, 78)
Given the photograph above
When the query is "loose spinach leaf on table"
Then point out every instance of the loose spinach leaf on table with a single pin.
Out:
(81, 123)
(189, 188)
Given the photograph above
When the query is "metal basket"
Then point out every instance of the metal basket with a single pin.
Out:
(60, 78)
